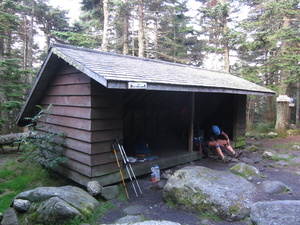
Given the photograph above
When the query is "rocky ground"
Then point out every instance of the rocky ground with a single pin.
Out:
(152, 205)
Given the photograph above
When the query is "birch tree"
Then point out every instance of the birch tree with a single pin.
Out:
(104, 45)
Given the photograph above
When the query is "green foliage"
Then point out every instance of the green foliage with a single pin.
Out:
(210, 216)
(12, 89)
(43, 146)
(263, 127)
(92, 219)
(272, 30)
(77, 39)
(18, 175)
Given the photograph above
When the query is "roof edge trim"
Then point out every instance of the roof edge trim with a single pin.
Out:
(32, 90)
(187, 88)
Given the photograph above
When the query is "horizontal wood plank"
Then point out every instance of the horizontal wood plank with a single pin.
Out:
(71, 90)
(76, 78)
(103, 158)
(106, 135)
(80, 101)
(76, 134)
(67, 69)
(101, 147)
(78, 156)
(79, 167)
(79, 146)
(104, 169)
(74, 175)
(78, 123)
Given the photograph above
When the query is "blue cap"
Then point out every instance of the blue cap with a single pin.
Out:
(216, 130)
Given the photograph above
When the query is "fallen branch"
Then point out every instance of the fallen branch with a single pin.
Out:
(10, 139)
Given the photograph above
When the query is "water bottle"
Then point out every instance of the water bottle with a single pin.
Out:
(155, 170)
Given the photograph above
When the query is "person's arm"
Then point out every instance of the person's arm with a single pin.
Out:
(226, 136)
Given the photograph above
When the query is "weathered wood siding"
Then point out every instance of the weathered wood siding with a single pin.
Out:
(91, 116)
(107, 124)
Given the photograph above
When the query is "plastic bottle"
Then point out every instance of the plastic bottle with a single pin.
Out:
(153, 178)
(155, 170)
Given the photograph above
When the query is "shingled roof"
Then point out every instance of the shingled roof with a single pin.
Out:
(116, 71)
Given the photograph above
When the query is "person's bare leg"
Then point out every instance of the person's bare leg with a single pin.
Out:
(218, 149)
(228, 147)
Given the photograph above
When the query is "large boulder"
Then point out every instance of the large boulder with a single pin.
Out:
(285, 212)
(56, 204)
(274, 187)
(55, 210)
(200, 189)
(9, 217)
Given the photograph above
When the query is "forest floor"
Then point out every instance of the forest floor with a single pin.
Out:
(154, 207)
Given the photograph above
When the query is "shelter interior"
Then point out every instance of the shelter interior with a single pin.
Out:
(164, 119)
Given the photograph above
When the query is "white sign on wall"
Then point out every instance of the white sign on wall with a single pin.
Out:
(137, 85)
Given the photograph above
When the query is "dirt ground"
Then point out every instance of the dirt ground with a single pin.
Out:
(157, 209)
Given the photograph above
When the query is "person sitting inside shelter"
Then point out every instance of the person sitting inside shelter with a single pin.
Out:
(218, 139)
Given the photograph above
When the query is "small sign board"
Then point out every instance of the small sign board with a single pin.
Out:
(137, 85)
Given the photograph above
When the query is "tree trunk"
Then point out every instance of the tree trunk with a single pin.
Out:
(271, 109)
(155, 38)
(282, 113)
(141, 36)
(30, 44)
(298, 104)
(104, 45)
(225, 41)
(132, 39)
(249, 113)
(283, 104)
(125, 28)
(11, 138)
(25, 41)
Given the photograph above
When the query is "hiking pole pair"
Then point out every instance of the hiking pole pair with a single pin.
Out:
(129, 169)
(120, 170)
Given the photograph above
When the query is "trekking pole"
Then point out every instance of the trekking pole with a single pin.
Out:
(121, 172)
(126, 166)
(130, 167)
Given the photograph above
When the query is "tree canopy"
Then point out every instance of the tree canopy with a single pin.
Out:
(255, 39)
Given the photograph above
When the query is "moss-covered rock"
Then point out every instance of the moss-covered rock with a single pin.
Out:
(202, 190)
(244, 170)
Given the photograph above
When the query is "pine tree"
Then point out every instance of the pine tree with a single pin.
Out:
(215, 16)
(271, 45)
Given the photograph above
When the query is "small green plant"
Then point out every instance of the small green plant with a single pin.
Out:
(42, 145)
(210, 216)
(18, 176)
(122, 196)
(277, 158)
(263, 127)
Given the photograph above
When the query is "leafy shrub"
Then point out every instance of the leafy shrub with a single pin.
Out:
(42, 145)
(263, 127)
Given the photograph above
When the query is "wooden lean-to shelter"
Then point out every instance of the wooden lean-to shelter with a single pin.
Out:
(99, 96)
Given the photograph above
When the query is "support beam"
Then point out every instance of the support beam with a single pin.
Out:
(191, 125)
